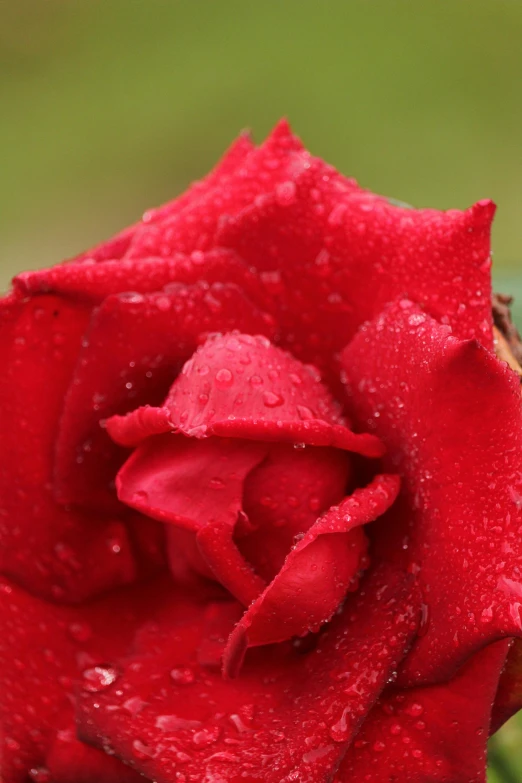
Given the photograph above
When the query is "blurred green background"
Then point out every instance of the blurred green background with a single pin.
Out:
(112, 106)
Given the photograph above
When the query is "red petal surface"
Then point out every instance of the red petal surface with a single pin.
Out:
(508, 699)
(278, 159)
(197, 485)
(435, 734)
(72, 761)
(449, 413)
(338, 254)
(186, 562)
(44, 649)
(316, 574)
(287, 718)
(241, 386)
(135, 346)
(283, 497)
(50, 550)
(93, 282)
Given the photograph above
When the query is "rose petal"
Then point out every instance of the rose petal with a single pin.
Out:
(315, 576)
(186, 563)
(197, 485)
(241, 386)
(44, 649)
(148, 540)
(449, 414)
(435, 734)
(508, 699)
(288, 717)
(72, 760)
(283, 497)
(50, 550)
(278, 159)
(340, 254)
(92, 283)
(135, 346)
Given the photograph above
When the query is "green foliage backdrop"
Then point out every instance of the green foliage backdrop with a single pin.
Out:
(111, 106)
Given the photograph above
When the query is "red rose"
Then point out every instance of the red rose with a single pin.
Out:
(261, 492)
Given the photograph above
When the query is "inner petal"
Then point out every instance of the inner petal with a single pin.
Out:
(196, 486)
(283, 496)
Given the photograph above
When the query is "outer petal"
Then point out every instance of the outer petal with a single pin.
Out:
(288, 718)
(278, 159)
(135, 346)
(44, 649)
(71, 760)
(435, 734)
(316, 574)
(425, 393)
(92, 283)
(339, 254)
(48, 549)
(241, 386)
(508, 699)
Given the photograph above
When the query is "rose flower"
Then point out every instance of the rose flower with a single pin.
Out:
(261, 499)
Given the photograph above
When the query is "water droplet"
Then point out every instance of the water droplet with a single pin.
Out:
(314, 503)
(416, 319)
(206, 736)
(134, 705)
(40, 774)
(239, 723)
(198, 257)
(141, 751)
(174, 723)
(141, 496)
(114, 545)
(272, 400)
(317, 753)
(99, 678)
(224, 377)
(182, 676)
(338, 730)
(285, 193)
(163, 303)
(335, 218)
(80, 632)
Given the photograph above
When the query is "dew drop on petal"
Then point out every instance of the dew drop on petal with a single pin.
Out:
(206, 736)
(272, 400)
(141, 751)
(99, 678)
(224, 377)
(80, 631)
(182, 676)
